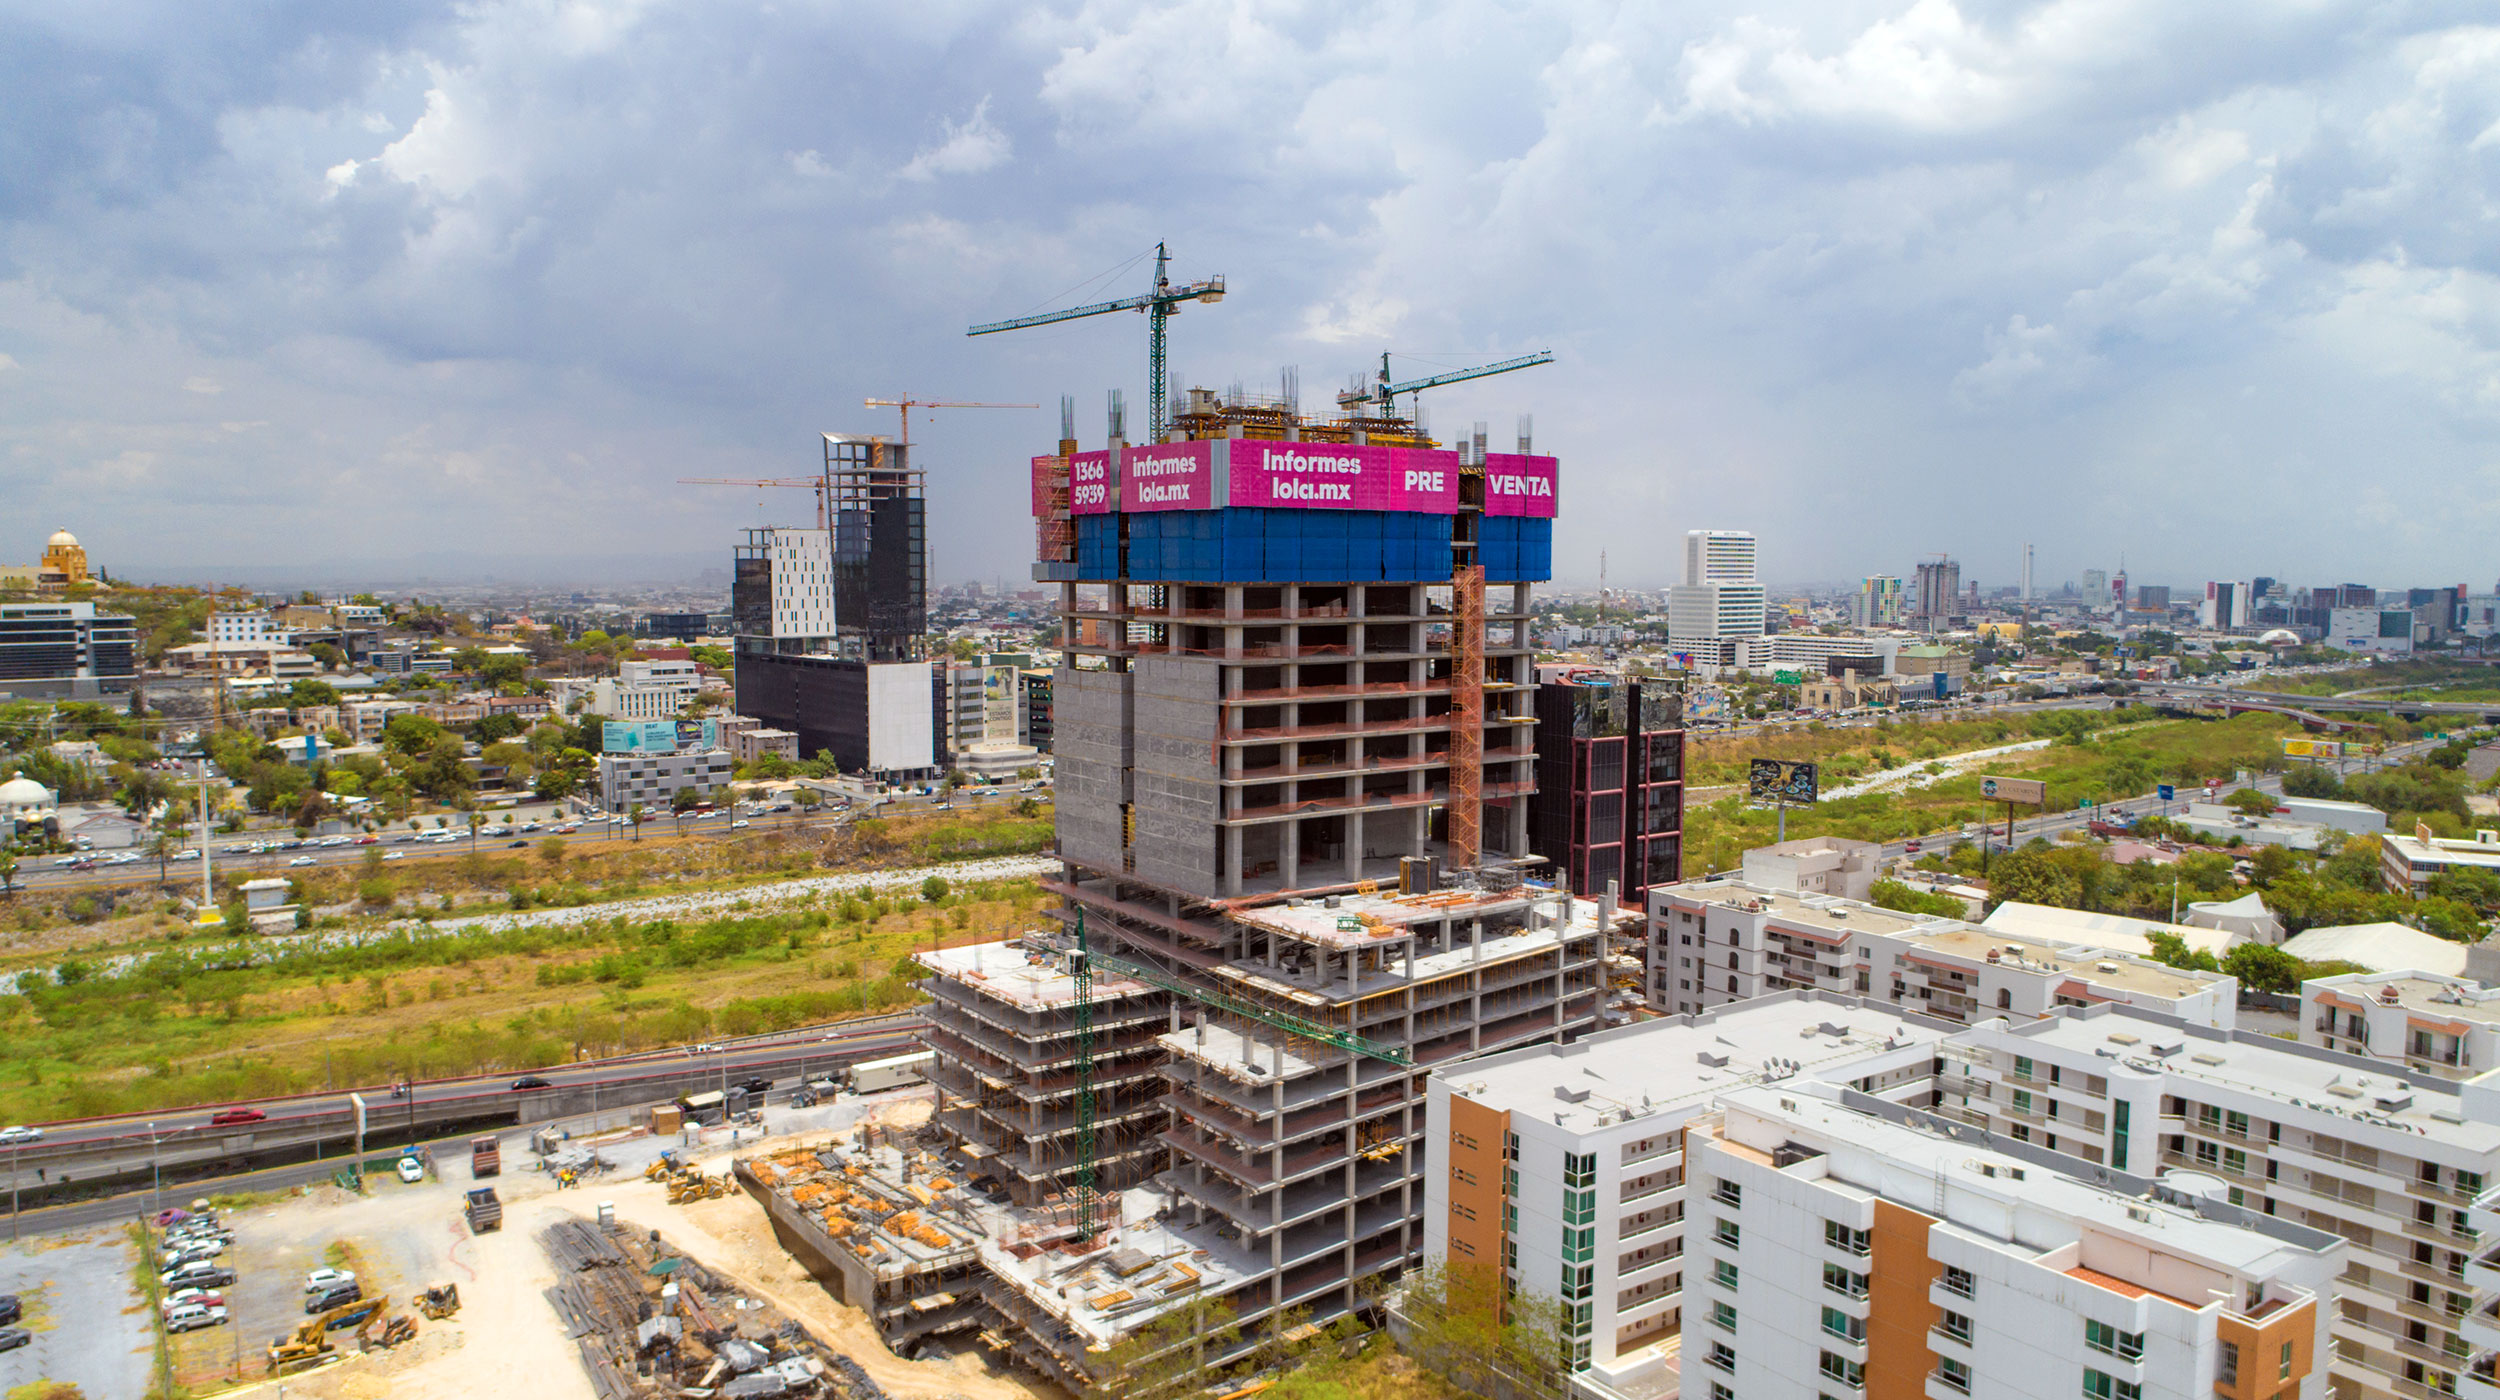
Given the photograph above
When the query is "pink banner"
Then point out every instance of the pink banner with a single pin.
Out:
(1171, 476)
(1341, 476)
(1517, 485)
(1089, 483)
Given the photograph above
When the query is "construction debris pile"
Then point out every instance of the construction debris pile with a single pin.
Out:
(651, 1323)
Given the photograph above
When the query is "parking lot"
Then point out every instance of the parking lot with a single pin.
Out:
(89, 1323)
(396, 1240)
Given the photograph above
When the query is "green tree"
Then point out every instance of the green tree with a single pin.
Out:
(2033, 875)
(551, 852)
(2262, 967)
(2250, 802)
(933, 889)
(8, 874)
(1893, 894)
(2171, 949)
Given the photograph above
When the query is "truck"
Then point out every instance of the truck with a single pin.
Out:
(893, 1072)
(485, 1212)
(485, 1157)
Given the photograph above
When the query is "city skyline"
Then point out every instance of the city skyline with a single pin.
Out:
(502, 274)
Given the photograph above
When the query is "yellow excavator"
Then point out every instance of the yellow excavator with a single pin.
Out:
(440, 1301)
(311, 1341)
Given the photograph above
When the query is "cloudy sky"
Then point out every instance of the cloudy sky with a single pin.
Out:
(393, 285)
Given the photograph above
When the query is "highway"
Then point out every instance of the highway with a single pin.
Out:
(185, 1143)
(47, 874)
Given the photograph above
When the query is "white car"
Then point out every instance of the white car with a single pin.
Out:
(740, 825)
(394, 855)
(186, 855)
(323, 1280)
(20, 1133)
(411, 1170)
(192, 1315)
(302, 860)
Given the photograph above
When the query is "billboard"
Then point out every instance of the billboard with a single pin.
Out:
(1341, 476)
(2030, 790)
(1517, 485)
(1780, 781)
(1171, 476)
(2313, 748)
(1089, 483)
(659, 735)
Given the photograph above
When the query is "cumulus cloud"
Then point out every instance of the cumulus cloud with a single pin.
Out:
(969, 148)
(1873, 280)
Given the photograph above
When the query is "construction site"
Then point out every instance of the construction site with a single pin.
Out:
(1295, 750)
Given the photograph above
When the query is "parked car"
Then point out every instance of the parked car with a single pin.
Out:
(190, 1251)
(324, 1301)
(192, 1316)
(11, 1338)
(199, 1273)
(19, 1132)
(411, 1170)
(10, 1309)
(207, 1298)
(757, 1085)
(226, 1118)
(532, 1081)
(323, 1280)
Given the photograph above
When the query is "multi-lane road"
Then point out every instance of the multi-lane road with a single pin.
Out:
(232, 853)
(185, 1143)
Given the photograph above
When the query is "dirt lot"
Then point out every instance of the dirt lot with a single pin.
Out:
(91, 1326)
(506, 1339)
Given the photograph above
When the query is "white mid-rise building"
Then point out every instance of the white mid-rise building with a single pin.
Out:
(1718, 556)
(1718, 599)
(246, 628)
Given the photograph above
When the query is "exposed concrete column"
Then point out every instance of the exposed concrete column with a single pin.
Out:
(1289, 847)
(1353, 971)
(1232, 850)
(1354, 841)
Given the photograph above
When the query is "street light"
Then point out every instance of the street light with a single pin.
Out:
(156, 1174)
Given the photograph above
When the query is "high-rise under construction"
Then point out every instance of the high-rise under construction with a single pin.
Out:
(1294, 750)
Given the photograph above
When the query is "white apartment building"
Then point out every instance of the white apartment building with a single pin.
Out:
(2413, 1022)
(1757, 1198)
(1811, 651)
(2395, 1163)
(1712, 942)
(1524, 1146)
(801, 587)
(230, 628)
(1838, 1252)
(638, 690)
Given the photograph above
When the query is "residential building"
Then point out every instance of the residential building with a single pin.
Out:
(750, 742)
(2153, 598)
(63, 650)
(2413, 1021)
(1838, 1247)
(1816, 865)
(1848, 691)
(241, 628)
(2408, 862)
(1815, 651)
(1722, 940)
(2226, 605)
(640, 690)
(655, 779)
(1879, 602)
(272, 659)
(1609, 804)
(1761, 1201)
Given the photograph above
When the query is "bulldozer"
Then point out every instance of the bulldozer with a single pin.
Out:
(309, 1343)
(439, 1302)
(662, 1168)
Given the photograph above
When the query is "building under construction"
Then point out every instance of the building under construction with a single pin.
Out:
(1295, 747)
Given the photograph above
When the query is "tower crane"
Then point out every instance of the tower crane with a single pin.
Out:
(1384, 392)
(907, 405)
(820, 485)
(1160, 305)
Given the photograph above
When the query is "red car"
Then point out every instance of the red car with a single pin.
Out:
(229, 1117)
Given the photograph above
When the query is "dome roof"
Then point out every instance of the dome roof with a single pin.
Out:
(63, 539)
(2280, 637)
(24, 792)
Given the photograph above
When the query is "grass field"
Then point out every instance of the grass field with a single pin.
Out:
(2105, 760)
(182, 1030)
